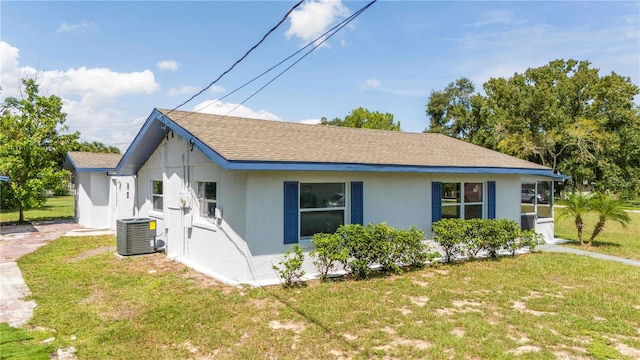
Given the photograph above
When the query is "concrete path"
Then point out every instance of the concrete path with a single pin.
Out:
(16, 241)
(554, 247)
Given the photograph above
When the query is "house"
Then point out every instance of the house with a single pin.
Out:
(98, 203)
(230, 195)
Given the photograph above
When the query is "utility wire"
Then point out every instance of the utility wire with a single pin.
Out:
(341, 25)
(242, 58)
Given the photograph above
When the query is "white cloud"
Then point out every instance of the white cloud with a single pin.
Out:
(89, 95)
(372, 84)
(314, 18)
(190, 90)
(186, 89)
(222, 108)
(168, 65)
(311, 121)
(83, 26)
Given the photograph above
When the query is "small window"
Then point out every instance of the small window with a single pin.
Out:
(458, 204)
(207, 198)
(322, 208)
(156, 194)
(127, 191)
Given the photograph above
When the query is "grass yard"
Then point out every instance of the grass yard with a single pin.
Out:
(56, 207)
(614, 240)
(540, 306)
(16, 343)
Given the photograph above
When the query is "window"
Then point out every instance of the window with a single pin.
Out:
(462, 200)
(537, 198)
(127, 191)
(207, 198)
(156, 194)
(322, 208)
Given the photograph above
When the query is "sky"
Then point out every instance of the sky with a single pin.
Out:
(113, 62)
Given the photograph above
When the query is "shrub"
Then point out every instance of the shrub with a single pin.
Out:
(359, 248)
(329, 251)
(289, 268)
(469, 237)
(449, 234)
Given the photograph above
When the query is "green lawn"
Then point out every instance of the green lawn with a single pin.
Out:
(16, 343)
(56, 207)
(614, 240)
(539, 306)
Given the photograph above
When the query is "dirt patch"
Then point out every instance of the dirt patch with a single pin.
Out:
(296, 327)
(522, 307)
(416, 343)
(350, 337)
(463, 303)
(421, 283)
(419, 300)
(404, 311)
(90, 253)
(524, 349)
(458, 332)
(627, 350)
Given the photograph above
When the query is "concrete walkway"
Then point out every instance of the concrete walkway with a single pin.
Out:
(554, 246)
(16, 241)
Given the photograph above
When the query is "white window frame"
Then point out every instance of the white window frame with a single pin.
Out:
(535, 202)
(318, 209)
(203, 202)
(462, 203)
(154, 195)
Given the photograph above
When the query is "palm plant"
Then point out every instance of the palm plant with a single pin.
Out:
(608, 208)
(576, 206)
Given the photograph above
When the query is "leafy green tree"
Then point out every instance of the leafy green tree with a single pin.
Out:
(563, 115)
(457, 112)
(95, 146)
(576, 206)
(32, 138)
(363, 118)
(608, 208)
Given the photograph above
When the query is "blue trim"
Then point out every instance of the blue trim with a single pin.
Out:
(357, 203)
(291, 205)
(436, 201)
(4, 178)
(491, 199)
(318, 166)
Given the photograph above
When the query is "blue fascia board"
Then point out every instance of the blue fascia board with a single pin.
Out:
(158, 119)
(302, 166)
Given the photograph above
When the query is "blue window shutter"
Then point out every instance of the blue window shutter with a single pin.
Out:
(436, 201)
(491, 199)
(291, 203)
(357, 203)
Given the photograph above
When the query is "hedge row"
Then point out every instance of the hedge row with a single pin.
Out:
(468, 238)
(358, 248)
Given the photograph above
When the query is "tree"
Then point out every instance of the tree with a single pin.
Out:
(32, 137)
(563, 115)
(608, 208)
(95, 146)
(363, 118)
(576, 206)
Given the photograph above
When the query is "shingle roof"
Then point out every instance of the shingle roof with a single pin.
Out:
(91, 160)
(242, 139)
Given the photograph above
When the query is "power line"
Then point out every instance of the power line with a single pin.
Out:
(242, 58)
(341, 25)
